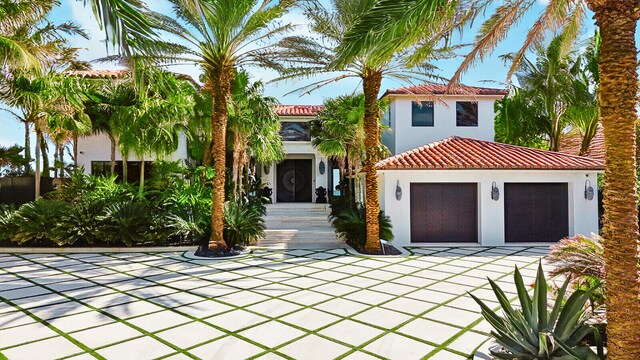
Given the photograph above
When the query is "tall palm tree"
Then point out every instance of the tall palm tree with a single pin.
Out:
(617, 22)
(225, 35)
(400, 56)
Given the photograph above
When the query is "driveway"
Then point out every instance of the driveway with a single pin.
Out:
(296, 304)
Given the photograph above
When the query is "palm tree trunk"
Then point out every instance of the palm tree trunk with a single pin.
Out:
(221, 92)
(46, 170)
(371, 83)
(125, 172)
(235, 174)
(27, 148)
(61, 159)
(141, 187)
(75, 150)
(112, 139)
(618, 100)
(38, 173)
(206, 157)
(56, 162)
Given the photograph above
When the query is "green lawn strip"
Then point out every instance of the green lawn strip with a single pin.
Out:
(2, 357)
(47, 324)
(125, 322)
(393, 330)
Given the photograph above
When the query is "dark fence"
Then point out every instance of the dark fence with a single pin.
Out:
(20, 190)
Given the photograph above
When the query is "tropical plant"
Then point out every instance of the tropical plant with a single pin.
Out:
(254, 129)
(402, 56)
(131, 223)
(581, 258)
(7, 223)
(243, 224)
(188, 222)
(518, 121)
(11, 162)
(36, 221)
(617, 68)
(79, 224)
(534, 331)
(225, 35)
(351, 225)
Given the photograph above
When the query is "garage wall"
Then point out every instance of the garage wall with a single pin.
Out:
(583, 214)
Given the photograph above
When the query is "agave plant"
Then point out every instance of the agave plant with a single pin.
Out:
(352, 226)
(532, 331)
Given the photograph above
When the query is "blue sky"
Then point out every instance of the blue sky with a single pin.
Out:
(491, 72)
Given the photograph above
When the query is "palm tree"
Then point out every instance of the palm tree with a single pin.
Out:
(401, 56)
(253, 128)
(617, 22)
(225, 35)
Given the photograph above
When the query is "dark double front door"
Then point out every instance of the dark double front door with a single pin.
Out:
(294, 181)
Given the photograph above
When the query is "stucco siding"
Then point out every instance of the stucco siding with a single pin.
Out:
(407, 137)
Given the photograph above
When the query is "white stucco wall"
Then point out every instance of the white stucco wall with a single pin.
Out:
(407, 137)
(98, 148)
(583, 214)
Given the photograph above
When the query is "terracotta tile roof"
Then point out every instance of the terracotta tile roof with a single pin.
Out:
(99, 74)
(298, 110)
(571, 143)
(464, 153)
(440, 89)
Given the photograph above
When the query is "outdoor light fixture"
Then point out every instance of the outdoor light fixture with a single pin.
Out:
(321, 167)
(267, 169)
(588, 190)
(398, 191)
(495, 192)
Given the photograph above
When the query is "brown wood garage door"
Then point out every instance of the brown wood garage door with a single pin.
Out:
(444, 212)
(536, 212)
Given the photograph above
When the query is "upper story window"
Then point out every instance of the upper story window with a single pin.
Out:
(466, 113)
(422, 113)
(294, 131)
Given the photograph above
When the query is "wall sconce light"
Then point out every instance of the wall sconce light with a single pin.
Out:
(398, 191)
(267, 168)
(495, 192)
(321, 167)
(588, 190)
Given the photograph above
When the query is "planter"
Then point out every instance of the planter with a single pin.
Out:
(484, 352)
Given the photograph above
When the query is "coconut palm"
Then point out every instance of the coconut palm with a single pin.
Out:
(401, 56)
(225, 35)
(617, 21)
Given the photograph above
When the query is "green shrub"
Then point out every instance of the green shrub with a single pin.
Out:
(352, 226)
(80, 223)
(7, 224)
(189, 222)
(36, 221)
(534, 332)
(131, 223)
(243, 224)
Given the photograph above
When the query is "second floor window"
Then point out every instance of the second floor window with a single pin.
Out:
(294, 131)
(422, 113)
(466, 113)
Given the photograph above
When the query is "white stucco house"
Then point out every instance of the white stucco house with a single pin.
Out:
(449, 183)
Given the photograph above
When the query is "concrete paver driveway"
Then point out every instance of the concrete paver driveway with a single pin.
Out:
(295, 304)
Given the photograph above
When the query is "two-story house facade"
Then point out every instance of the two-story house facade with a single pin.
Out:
(448, 182)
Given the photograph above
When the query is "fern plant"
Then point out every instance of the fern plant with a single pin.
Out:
(352, 226)
(535, 332)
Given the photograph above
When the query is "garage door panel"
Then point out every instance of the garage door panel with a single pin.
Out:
(536, 212)
(444, 212)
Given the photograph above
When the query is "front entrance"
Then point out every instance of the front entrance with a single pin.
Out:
(294, 181)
